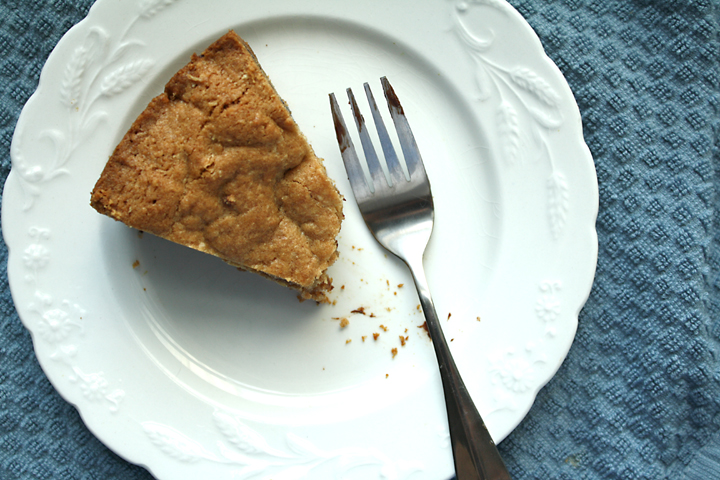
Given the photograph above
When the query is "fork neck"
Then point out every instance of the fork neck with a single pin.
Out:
(415, 263)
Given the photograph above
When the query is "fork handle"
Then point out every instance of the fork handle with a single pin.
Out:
(475, 454)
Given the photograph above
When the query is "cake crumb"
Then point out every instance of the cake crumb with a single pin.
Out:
(400, 285)
(359, 310)
(449, 315)
(394, 352)
(136, 264)
(344, 322)
(364, 337)
(372, 315)
(425, 326)
(387, 375)
(375, 336)
(403, 340)
(418, 307)
(385, 329)
(348, 341)
(478, 319)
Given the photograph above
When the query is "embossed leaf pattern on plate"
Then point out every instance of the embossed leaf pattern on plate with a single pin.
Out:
(558, 203)
(509, 132)
(520, 89)
(97, 69)
(174, 444)
(125, 77)
(149, 8)
(245, 447)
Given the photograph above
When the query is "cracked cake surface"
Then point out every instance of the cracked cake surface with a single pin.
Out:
(217, 163)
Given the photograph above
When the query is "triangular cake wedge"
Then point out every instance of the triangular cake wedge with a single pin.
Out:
(217, 163)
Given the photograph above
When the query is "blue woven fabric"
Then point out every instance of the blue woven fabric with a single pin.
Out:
(639, 394)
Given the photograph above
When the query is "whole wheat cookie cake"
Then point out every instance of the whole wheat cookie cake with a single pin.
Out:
(217, 163)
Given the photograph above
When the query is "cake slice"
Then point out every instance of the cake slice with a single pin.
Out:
(218, 164)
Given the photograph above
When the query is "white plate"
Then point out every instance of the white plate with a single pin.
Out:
(195, 370)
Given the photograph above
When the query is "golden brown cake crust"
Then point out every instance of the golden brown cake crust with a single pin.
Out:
(217, 163)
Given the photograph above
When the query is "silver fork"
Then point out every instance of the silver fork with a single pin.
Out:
(400, 214)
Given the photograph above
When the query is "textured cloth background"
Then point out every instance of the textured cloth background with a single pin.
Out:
(639, 394)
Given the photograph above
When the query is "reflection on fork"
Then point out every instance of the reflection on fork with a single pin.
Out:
(399, 212)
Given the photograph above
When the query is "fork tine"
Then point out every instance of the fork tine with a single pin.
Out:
(410, 149)
(347, 150)
(396, 173)
(378, 176)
